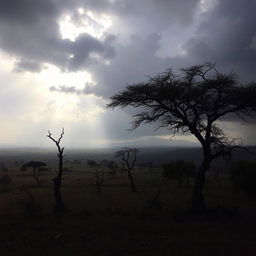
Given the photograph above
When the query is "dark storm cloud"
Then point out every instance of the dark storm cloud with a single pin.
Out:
(26, 12)
(132, 63)
(227, 37)
(158, 14)
(32, 66)
(29, 31)
(84, 46)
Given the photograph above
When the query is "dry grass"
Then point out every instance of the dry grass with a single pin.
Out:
(119, 222)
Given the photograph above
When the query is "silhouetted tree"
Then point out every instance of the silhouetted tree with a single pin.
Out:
(193, 102)
(243, 176)
(98, 178)
(179, 170)
(129, 157)
(111, 165)
(91, 163)
(35, 165)
(59, 206)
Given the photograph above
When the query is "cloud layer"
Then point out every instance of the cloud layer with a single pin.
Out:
(145, 37)
(30, 32)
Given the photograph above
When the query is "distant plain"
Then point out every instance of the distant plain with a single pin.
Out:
(117, 221)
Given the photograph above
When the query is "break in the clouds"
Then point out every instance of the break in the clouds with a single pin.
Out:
(30, 31)
(52, 45)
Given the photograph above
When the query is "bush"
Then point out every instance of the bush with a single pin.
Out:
(243, 176)
(5, 179)
(179, 170)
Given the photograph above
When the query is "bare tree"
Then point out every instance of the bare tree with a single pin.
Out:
(59, 206)
(192, 102)
(129, 157)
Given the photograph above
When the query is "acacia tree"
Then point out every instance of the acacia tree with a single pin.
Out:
(192, 102)
(129, 157)
(59, 204)
(35, 165)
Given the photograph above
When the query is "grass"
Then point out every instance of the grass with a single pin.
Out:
(119, 222)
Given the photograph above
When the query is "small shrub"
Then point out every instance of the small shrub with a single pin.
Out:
(155, 203)
(5, 179)
(5, 170)
(243, 176)
(179, 170)
(30, 207)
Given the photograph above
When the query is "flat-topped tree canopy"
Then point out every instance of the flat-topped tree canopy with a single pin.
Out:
(34, 164)
(191, 102)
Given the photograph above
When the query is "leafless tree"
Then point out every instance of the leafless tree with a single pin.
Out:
(128, 157)
(192, 102)
(59, 204)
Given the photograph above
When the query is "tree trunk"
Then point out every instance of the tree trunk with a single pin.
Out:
(98, 183)
(36, 175)
(198, 202)
(98, 188)
(59, 205)
(133, 188)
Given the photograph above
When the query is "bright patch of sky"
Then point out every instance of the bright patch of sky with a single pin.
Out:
(86, 22)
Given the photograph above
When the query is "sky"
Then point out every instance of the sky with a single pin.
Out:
(61, 60)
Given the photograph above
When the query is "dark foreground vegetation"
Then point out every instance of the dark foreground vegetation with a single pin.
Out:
(155, 220)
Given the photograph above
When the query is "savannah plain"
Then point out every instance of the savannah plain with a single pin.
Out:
(155, 220)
